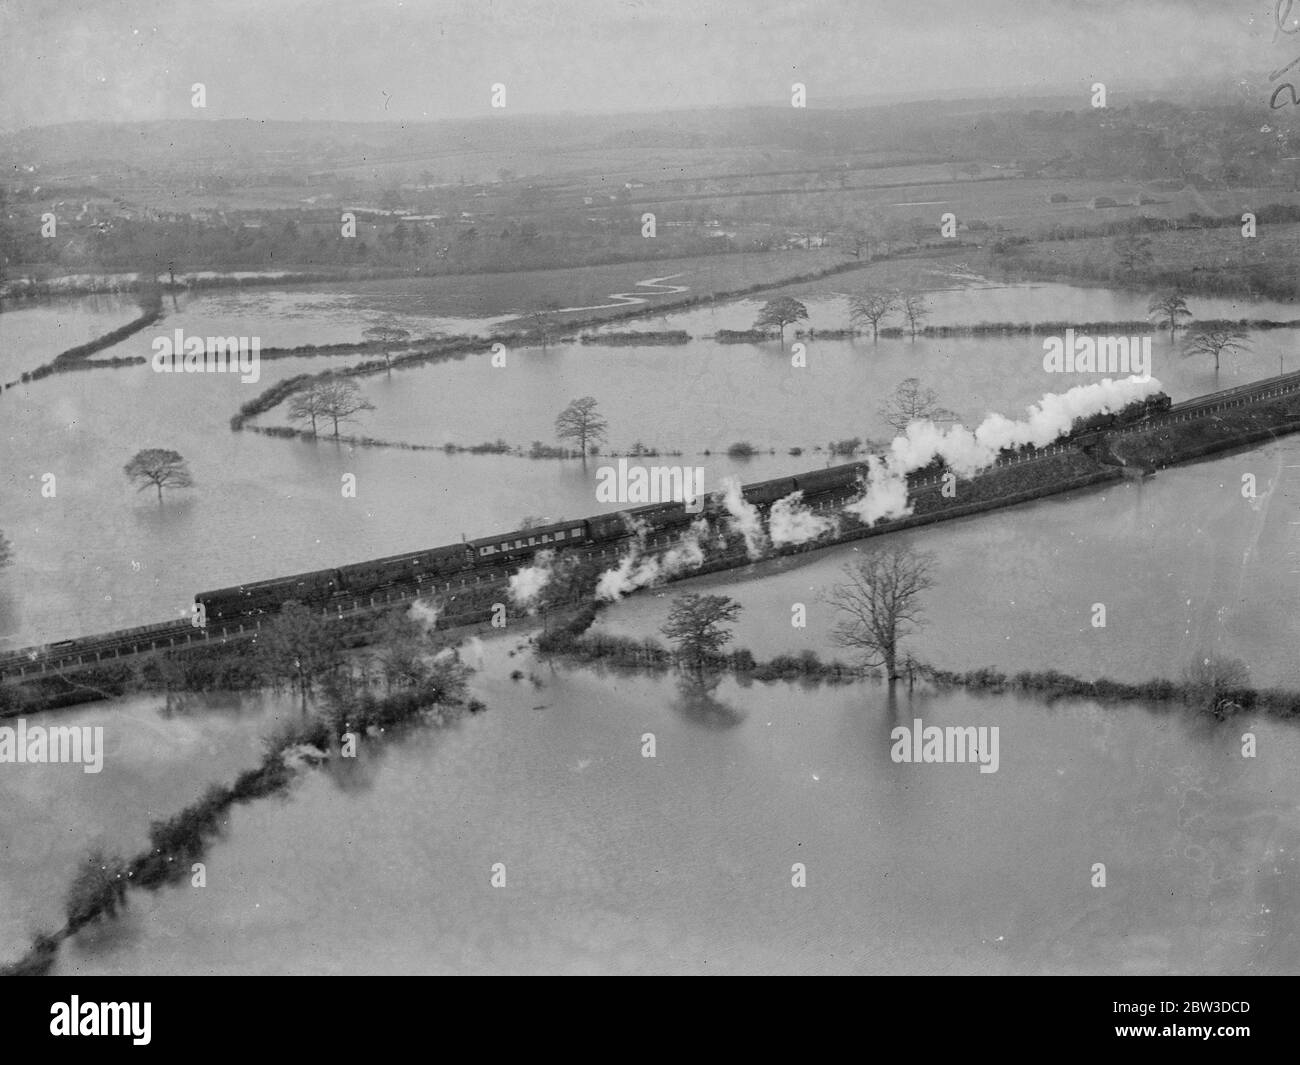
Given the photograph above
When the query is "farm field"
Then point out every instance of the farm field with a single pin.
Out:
(487, 295)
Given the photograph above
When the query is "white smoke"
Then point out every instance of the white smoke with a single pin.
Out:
(475, 646)
(744, 518)
(527, 585)
(966, 452)
(790, 522)
(424, 614)
(885, 495)
(639, 570)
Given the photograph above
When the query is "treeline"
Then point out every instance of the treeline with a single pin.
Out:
(1270, 214)
(77, 358)
(573, 641)
(1220, 701)
(177, 842)
(665, 336)
(53, 287)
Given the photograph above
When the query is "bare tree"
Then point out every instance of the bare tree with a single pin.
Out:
(1210, 679)
(1214, 341)
(159, 468)
(881, 603)
(1132, 250)
(579, 421)
(914, 309)
(308, 405)
(541, 324)
(911, 403)
(341, 401)
(697, 624)
(858, 239)
(1168, 307)
(382, 338)
(872, 307)
(780, 312)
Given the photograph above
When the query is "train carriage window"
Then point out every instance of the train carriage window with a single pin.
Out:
(532, 540)
(546, 538)
(505, 547)
(519, 543)
(575, 532)
(560, 535)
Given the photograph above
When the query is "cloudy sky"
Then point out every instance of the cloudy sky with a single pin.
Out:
(68, 60)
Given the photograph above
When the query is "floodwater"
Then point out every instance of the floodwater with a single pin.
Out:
(95, 554)
(618, 863)
(681, 863)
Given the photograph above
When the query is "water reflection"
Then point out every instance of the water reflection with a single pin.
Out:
(697, 703)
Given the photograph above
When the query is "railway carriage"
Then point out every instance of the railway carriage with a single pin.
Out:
(830, 479)
(765, 493)
(524, 543)
(416, 567)
(263, 597)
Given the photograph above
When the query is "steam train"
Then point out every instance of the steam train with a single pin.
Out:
(513, 548)
(1088, 430)
(505, 549)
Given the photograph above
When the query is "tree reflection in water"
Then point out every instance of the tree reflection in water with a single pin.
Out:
(697, 704)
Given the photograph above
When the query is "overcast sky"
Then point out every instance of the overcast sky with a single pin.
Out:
(67, 60)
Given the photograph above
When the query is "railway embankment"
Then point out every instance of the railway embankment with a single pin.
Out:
(1175, 442)
(468, 603)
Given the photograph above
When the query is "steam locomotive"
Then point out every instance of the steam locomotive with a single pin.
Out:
(505, 549)
(518, 547)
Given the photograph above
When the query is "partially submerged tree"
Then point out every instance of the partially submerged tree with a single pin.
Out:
(1210, 680)
(579, 421)
(307, 405)
(6, 551)
(340, 401)
(880, 603)
(383, 338)
(910, 403)
(914, 309)
(1168, 307)
(542, 325)
(1214, 341)
(697, 625)
(158, 468)
(300, 645)
(780, 312)
(872, 307)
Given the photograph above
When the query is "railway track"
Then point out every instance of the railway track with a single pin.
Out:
(70, 654)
